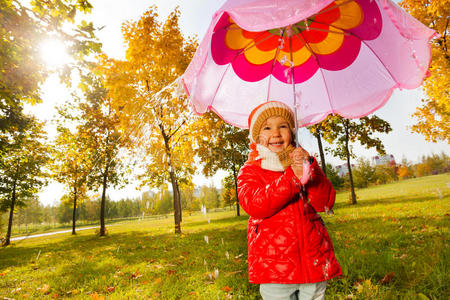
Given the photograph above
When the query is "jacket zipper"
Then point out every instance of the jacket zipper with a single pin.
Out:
(303, 260)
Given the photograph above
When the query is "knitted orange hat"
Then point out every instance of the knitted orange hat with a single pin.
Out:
(266, 110)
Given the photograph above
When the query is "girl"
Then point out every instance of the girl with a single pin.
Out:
(289, 251)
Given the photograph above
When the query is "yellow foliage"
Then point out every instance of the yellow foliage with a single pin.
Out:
(433, 116)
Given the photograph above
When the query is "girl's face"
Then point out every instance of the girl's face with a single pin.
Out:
(275, 134)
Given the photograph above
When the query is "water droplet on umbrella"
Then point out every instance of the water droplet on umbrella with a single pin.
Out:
(374, 20)
(283, 60)
(206, 239)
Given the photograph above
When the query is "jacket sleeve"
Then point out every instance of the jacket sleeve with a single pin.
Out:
(261, 199)
(320, 191)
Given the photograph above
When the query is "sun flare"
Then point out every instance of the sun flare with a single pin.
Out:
(54, 53)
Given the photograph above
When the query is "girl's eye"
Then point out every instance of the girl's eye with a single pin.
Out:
(266, 128)
(283, 126)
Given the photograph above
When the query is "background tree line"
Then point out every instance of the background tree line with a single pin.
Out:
(133, 108)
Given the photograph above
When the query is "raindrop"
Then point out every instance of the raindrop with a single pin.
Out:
(374, 20)
(206, 239)
(203, 209)
(283, 60)
(306, 24)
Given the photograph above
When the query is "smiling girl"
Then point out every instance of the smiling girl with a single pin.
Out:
(289, 251)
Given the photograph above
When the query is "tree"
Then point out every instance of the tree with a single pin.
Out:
(364, 173)
(21, 169)
(343, 131)
(140, 88)
(433, 116)
(209, 196)
(221, 147)
(316, 131)
(100, 126)
(334, 177)
(228, 193)
(22, 29)
(71, 165)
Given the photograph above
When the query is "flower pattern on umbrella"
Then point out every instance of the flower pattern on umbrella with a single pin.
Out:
(330, 39)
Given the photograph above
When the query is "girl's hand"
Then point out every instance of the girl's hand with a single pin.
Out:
(298, 156)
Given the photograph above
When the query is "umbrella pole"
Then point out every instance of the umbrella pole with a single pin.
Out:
(297, 143)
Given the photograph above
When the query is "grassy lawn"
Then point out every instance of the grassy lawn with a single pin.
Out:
(392, 245)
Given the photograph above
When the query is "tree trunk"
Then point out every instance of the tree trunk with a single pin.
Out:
(74, 212)
(349, 166)
(102, 206)
(322, 155)
(238, 213)
(11, 215)
(176, 200)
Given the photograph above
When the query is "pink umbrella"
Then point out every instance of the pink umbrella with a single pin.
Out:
(318, 56)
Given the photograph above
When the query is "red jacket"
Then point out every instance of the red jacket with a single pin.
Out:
(287, 240)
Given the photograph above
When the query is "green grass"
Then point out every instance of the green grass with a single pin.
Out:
(399, 229)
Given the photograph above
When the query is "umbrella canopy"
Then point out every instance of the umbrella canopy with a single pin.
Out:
(319, 57)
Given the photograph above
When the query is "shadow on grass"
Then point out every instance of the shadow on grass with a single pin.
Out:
(414, 249)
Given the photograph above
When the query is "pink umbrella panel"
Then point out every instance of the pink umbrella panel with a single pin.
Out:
(344, 57)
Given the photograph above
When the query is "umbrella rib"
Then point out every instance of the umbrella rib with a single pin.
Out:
(273, 65)
(246, 48)
(322, 30)
(364, 42)
(229, 65)
(321, 71)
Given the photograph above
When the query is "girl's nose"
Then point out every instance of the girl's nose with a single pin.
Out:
(276, 132)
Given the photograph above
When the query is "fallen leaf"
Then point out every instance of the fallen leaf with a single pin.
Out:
(96, 296)
(233, 273)
(111, 289)
(45, 289)
(171, 272)
(4, 273)
(55, 296)
(75, 292)
(387, 278)
(193, 293)
(226, 289)
(158, 280)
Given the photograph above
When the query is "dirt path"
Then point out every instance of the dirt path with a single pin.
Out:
(19, 238)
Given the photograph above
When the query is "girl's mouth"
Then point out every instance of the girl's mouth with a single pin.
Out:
(277, 144)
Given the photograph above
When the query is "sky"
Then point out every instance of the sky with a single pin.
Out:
(194, 20)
